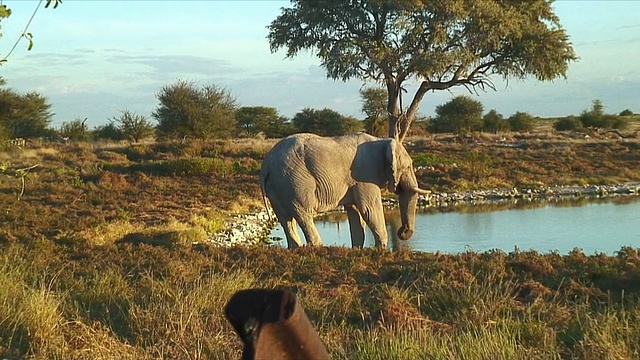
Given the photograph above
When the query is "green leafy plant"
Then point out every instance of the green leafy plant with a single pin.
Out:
(478, 165)
(430, 159)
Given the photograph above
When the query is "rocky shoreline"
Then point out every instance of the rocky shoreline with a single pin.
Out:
(255, 227)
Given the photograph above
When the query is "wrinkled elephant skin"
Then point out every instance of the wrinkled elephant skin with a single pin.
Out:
(305, 174)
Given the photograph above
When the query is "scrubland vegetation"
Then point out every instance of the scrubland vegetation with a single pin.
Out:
(103, 247)
(105, 256)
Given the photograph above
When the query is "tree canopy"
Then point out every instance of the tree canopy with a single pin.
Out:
(494, 122)
(134, 126)
(459, 115)
(439, 43)
(75, 130)
(188, 111)
(24, 115)
(325, 122)
(253, 120)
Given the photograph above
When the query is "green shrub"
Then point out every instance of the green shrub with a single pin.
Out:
(520, 121)
(139, 152)
(619, 122)
(197, 166)
(246, 166)
(478, 165)
(430, 159)
(568, 123)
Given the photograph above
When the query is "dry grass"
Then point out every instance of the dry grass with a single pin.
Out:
(97, 260)
(154, 302)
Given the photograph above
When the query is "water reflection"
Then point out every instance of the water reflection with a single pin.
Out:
(593, 224)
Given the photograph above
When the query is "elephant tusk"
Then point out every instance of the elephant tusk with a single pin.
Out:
(421, 191)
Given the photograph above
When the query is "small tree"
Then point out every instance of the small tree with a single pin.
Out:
(133, 126)
(521, 121)
(75, 129)
(325, 122)
(626, 112)
(24, 115)
(374, 106)
(110, 131)
(256, 119)
(186, 111)
(595, 117)
(460, 115)
(494, 122)
(280, 127)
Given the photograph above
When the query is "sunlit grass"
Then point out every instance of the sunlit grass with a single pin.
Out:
(152, 302)
(105, 258)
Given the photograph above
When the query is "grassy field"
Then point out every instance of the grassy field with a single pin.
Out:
(97, 258)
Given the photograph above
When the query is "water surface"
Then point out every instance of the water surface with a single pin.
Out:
(594, 225)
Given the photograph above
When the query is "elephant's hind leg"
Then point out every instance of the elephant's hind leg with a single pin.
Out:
(291, 232)
(356, 226)
(288, 223)
(309, 229)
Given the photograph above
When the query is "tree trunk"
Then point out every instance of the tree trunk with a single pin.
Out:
(400, 121)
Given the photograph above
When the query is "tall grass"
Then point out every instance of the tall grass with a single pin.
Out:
(105, 314)
(145, 302)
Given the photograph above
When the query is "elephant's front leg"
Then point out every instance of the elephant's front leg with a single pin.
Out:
(356, 226)
(368, 201)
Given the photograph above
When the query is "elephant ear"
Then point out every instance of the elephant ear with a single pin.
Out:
(392, 171)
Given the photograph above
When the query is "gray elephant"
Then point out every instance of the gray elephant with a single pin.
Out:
(305, 174)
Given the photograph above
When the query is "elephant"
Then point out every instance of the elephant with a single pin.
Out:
(306, 174)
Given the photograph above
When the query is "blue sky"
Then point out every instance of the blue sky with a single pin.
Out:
(96, 58)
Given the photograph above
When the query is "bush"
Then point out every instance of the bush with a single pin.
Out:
(198, 166)
(620, 123)
(460, 115)
(568, 123)
(479, 166)
(430, 159)
(139, 152)
(108, 132)
(494, 122)
(4, 137)
(520, 121)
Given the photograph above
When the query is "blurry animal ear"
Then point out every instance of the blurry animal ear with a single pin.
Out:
(392, 171)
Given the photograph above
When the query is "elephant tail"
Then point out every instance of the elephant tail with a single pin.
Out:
(263, 191)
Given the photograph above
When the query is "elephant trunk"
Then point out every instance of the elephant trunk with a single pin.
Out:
(407, 201)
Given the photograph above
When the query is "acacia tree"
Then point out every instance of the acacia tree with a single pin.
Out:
(325, 122)
(494, 121)
(187, 111)
(439, 43)
(75, 130)
(461, 114)
(253, 120)
(134, 126)
(24, 115)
